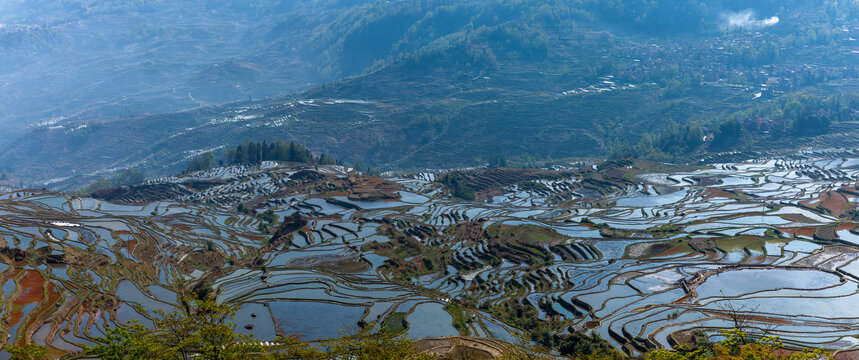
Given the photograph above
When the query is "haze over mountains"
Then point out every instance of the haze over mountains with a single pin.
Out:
(100, 86)
(81, 60)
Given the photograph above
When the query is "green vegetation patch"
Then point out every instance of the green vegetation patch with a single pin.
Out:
(396, 323)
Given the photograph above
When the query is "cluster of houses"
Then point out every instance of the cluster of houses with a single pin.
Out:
(716, 62)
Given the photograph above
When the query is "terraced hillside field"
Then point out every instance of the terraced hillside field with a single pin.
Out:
(642, 254)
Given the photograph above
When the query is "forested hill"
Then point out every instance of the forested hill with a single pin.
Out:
(415, 84)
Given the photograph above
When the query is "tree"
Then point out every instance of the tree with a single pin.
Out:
(252, 152)
(27, 352)
(125, 342)
(497, 161)
(371, 171)
(215, 335)
(727, 135)
(736, 347)
(578, 344)
(130, 176)
(367, 345)
(292, 349)
(457, 187)
(267, 219)
(292, 152)
(203, 162)
(205, 333)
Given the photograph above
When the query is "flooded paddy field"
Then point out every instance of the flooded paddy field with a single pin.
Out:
(641, 255)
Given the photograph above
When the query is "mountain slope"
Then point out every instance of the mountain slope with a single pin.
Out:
(66, 61)
(454, 84)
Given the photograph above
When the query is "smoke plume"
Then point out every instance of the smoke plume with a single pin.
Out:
(746, 20)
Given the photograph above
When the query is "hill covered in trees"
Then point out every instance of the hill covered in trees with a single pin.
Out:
(253, 152)
(794, 116)
(434, 84)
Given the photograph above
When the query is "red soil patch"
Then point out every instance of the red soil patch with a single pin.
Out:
(851, 200)
(815, 201)
(52, 298)
(788, 231)
(836, 203)
(30, 291)
(588, 226)
(130, 245)
(592, 324)
(419, 261)
(848, 226)
(677, 250)
(711, 193)
(797, 232)
(806, 231)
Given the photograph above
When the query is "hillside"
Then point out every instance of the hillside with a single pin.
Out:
(64, 61)
(453, 84)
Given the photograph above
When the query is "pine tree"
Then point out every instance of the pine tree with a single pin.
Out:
(292, 154)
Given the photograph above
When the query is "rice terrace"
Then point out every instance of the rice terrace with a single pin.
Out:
(642, 258)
